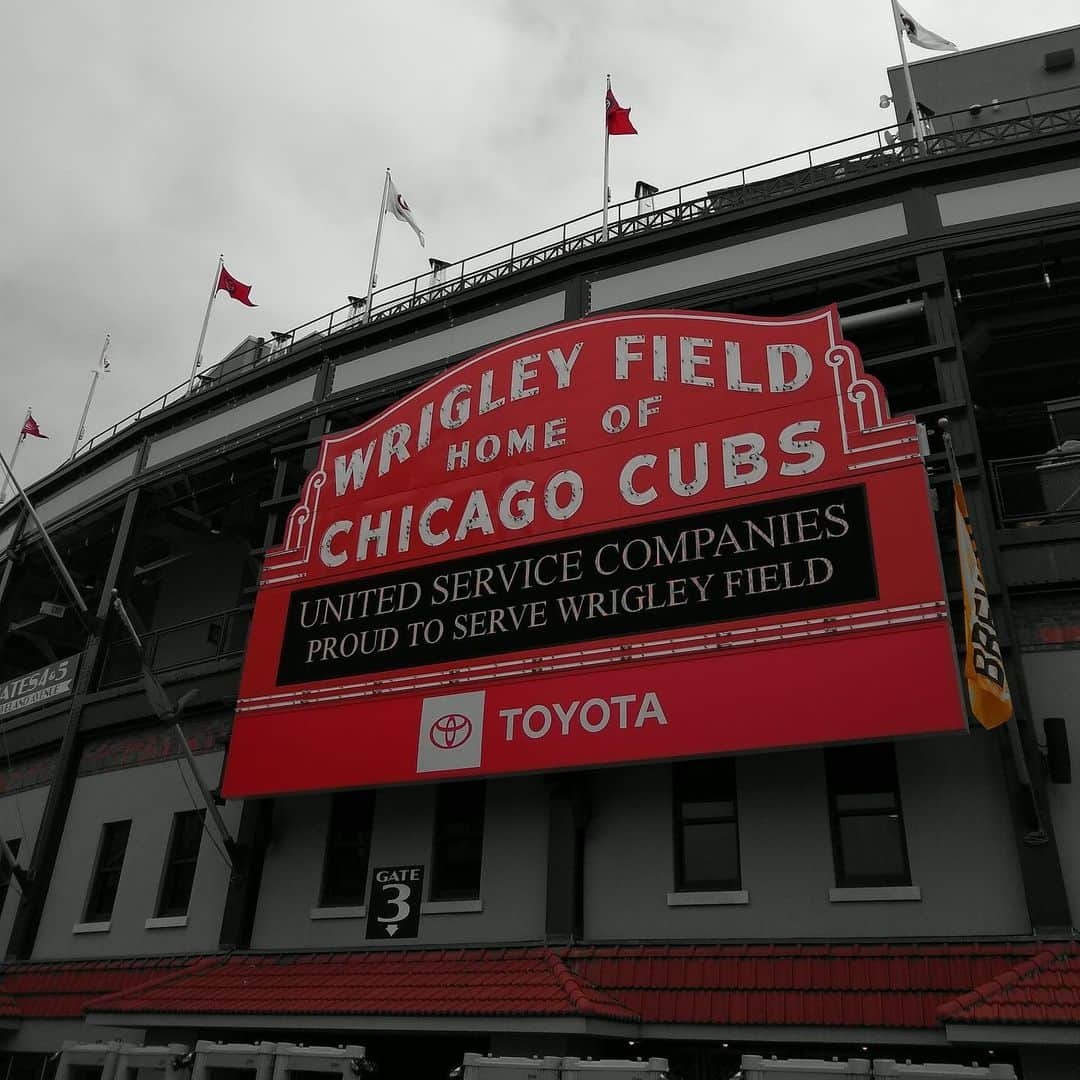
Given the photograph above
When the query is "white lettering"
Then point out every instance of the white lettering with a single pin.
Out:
(571, 480)
(517, 517)
(743, 460)
(804, 366)
(682, 487)
(352, 469)
(393, 446)
(626, 480)
(521, 373)
(624, 355)
(690, 360)
(555, 432)
(563, 364)
(328, 557)
(423, 526)
(813, 450)
(455, 408)
(486, 403)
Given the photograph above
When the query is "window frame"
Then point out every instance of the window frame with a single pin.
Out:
(436, 890)
(841, 876)
(333, 846)
(93, 914)
(171, 863)
(679, 823)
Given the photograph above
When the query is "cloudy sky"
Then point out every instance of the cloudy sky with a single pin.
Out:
(142, 138)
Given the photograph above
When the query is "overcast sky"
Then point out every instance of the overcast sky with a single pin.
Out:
(141, 139)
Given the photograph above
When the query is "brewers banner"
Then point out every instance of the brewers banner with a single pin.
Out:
(641, 536)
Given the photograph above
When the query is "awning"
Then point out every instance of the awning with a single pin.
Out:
(1035, 1001)
(481, 983)
(912, 990)
(63, 989)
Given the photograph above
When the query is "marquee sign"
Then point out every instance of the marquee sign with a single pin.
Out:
(649, 535)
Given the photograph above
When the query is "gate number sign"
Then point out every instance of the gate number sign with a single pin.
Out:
(394, 910)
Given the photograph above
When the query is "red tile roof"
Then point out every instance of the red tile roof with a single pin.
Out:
(64, 988)
(886, 985)
(914, 986)
(9, 1008)
(1042, 990)
(446, 982)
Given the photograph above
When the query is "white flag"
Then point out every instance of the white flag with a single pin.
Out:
(396, 204)
(917, 34)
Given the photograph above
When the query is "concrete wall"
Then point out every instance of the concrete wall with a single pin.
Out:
(20, 817)
(513, 882)
(1044, 190)
(149, 795)
(475, 334)
(236, 418)
(960, 845)
(1053, 681)
(784, 247)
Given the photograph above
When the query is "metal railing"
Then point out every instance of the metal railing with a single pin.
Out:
(1038, 490)
(213, 637)
(821, 166)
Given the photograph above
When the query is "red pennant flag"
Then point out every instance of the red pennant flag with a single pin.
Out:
(236, 289)
(618, 118)
(30, 427)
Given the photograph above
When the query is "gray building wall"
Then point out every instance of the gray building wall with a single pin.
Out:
(513, 880)
(149, 795)
(20, 818)
(949, 82)
(963, 858)
(1053, 682)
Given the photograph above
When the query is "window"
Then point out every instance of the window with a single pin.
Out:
(106, 880)
(5, 871)
(706, 826)
(179, 876)
(348, 846)
(867, 823)
(459, 842)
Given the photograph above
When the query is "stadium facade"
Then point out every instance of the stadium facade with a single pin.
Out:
(824, 894)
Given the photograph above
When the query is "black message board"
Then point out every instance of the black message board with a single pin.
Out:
(751, 561)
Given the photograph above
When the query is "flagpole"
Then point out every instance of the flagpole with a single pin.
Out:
(61, 569)
(916, 118)
(15, 453)
(206, 321)
(375, 253)
(607, 145)
(94, 376)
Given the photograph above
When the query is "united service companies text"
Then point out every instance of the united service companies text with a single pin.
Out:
(782, 555)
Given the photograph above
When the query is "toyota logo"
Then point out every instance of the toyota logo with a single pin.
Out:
(450, 731)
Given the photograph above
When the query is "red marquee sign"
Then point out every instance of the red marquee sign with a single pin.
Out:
(649, 535)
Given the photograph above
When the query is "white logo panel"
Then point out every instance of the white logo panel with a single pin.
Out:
(451, 732)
